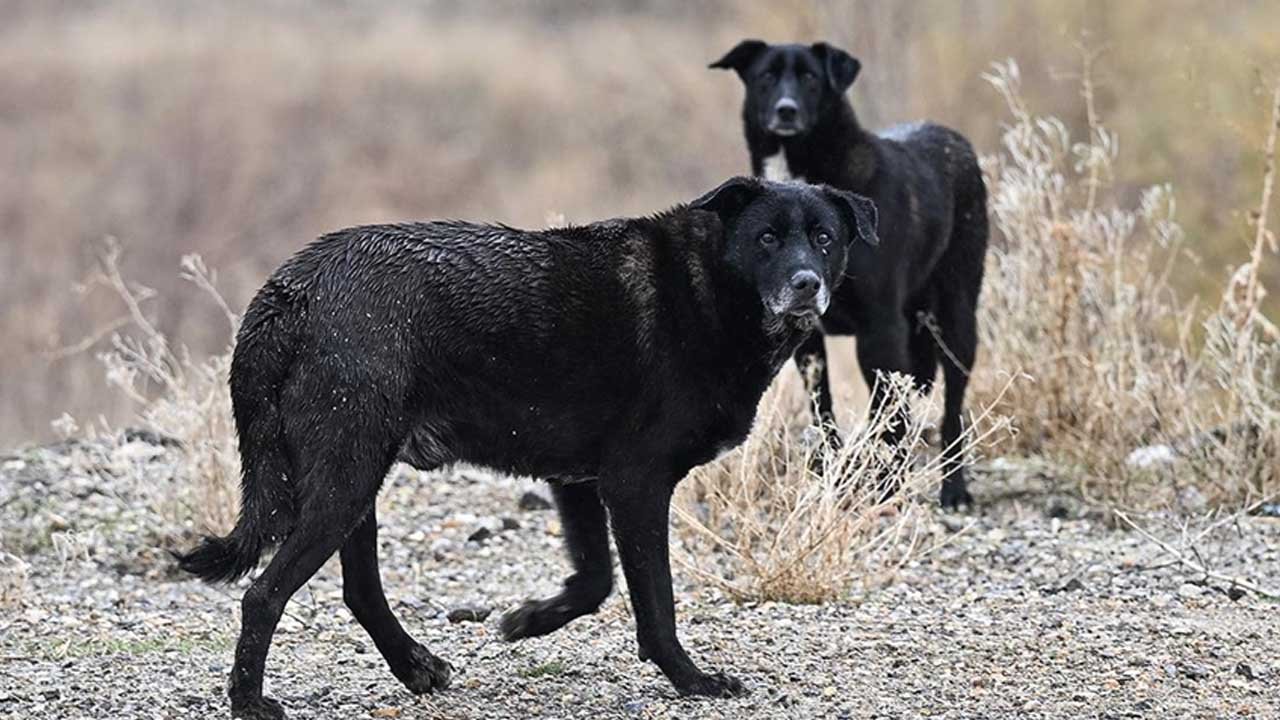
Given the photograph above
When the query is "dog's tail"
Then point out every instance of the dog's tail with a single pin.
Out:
(259, 366)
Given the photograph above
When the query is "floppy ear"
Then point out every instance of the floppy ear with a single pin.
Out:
(842, 67)
(859, 213)
(730, 198)
(741, 56)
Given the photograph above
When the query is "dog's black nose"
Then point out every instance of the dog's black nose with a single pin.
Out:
(786, 110)
(806, 283)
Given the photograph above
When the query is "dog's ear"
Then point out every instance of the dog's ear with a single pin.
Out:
(730, 198)
(859, 213)
(842, 68)
(741, 57)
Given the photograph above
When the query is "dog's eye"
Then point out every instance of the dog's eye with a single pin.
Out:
(768, 79)
(808, 77)
(823, 238)
(768, 239)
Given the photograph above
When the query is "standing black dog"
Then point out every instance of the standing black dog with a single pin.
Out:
(925, 181)
(614, 357)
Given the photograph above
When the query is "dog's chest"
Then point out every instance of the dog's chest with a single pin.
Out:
(777, 169)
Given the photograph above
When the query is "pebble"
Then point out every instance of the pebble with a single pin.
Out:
(469, 613)
(1193, 671)
(532, 501)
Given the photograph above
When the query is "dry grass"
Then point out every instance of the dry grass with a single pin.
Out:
(13, 579)
(185, 399)
(1129, 390)
(787, 518)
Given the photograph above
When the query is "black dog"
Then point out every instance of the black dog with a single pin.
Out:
(613, 357)
(914, 298)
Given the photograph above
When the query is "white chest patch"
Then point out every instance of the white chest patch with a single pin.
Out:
(777, 170)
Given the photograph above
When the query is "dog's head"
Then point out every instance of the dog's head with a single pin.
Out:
(789, 87)
(790, 241)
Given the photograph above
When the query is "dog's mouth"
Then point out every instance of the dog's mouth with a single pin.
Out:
(789, 306)
(785, 129)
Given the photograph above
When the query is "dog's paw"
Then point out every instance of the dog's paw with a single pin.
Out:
(262, 708)
(522, 622)
(537, 617)
(715, 685)
(955, 496)
(424, 673)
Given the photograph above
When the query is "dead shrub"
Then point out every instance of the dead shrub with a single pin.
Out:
(1130, 391)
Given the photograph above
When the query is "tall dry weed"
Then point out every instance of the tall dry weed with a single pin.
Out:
(185, 400)
(1127, 389)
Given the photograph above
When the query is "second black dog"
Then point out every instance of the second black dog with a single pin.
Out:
(614, 357)
(913, 300)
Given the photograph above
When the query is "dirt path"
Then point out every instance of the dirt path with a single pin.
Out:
(1023, 615)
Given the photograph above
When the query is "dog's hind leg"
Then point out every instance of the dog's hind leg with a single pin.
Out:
(958, 321)
(958, 289)
(586, 533)
(411, 663)
(337, 490)
(299, 557)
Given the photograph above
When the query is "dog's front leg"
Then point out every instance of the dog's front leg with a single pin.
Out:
(639, 511)
(883, 348)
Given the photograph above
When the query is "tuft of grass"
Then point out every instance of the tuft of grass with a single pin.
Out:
(13, 579)
(787, 518)
(185, 400)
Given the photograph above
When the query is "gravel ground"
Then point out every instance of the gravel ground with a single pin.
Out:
(1035, 609)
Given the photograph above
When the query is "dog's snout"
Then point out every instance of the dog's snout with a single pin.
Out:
(806, 283)
(786, 110)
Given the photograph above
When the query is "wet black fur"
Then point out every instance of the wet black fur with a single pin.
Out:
(614, 357)
(926, 183)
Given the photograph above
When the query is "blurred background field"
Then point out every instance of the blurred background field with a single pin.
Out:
(239, 130)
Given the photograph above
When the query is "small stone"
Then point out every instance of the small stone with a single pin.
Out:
(480, 535)
(510, 523)
(533, 501)
(634, 707)
(386, 712)
(1187, 590)
(1245, 670)
(468, 613)
(1069, 586)
(1193, 671)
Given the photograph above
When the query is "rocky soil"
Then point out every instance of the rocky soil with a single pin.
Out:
(1037, 608)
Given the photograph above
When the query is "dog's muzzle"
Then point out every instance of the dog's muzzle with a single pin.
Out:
(805, 295)
(785, 119)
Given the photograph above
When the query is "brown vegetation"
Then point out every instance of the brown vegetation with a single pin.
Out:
(239, 130)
